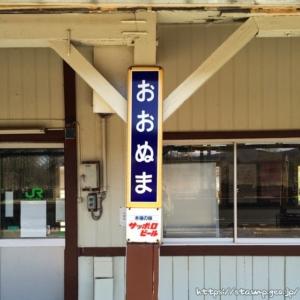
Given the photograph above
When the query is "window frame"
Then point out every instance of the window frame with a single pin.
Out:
(202, 138)
(32, 242)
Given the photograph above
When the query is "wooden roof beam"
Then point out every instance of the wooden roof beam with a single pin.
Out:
(278, 26)
(34, 30)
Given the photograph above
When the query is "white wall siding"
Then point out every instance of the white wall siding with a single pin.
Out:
(181, 277)
(277, 275)
(260, 274)
(244, 278)
(255, 90)
(87, 278)
(89, 150)
(113, 63)
(28, 273)
(212, 269)
(292, 267)
(119, 278)
(166, 278)
(228, 274)
(31, 85)
(221, 272)
(196, 276)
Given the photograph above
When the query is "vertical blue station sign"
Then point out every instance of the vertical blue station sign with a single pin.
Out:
(144, 137)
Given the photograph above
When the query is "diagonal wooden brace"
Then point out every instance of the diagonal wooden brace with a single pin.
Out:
(91, 76)
(230, 47)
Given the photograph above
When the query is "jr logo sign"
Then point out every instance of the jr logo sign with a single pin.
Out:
(35, 194)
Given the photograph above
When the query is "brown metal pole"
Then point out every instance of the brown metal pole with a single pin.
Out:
(71, 253)
(142, 271)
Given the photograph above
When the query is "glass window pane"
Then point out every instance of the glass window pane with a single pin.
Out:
(32, 193)
(198, 196)
(268, 190)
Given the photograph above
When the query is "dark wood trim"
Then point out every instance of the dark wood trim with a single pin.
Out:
(69, 94)
(199, 250)
(252, 134)
(142, 269)
(50, 136)
(103, 251)
(71, 253)
(231, 250)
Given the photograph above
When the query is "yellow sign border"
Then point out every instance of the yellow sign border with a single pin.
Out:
(158, 202)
